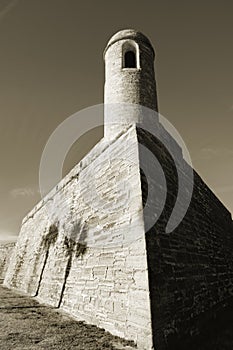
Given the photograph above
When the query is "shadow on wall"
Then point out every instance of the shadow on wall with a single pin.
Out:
(74, 246)
(191, 269)
(47, 241)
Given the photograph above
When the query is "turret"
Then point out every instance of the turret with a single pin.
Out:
(129, 80)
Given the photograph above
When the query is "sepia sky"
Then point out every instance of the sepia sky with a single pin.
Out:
(51, 66)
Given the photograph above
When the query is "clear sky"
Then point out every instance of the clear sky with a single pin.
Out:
(51, 66)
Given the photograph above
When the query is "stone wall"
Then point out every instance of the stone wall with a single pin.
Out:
(5, 255)
(191, 268)
(83, 247)
(123, 86)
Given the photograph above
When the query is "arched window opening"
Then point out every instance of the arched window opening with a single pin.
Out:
(130, 59)
(130, 55)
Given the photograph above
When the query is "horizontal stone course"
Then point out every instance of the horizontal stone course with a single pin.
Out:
(190, 269)
(89, 260)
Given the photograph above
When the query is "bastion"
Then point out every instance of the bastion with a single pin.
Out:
(110, 260)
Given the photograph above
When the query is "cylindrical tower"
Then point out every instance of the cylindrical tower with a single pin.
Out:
(129, 80)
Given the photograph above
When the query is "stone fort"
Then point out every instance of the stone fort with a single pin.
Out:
(99, 261)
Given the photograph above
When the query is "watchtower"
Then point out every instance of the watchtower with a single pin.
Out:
(129, 80)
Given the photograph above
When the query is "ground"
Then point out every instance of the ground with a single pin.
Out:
(27, 325)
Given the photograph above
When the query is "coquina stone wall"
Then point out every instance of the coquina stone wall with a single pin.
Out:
(83, 247)
(87, 247)
(191, 268)
(123, 86)
(5, 255)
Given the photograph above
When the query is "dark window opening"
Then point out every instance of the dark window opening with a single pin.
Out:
(130, 60)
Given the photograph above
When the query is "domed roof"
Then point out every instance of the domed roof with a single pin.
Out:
(129, 34)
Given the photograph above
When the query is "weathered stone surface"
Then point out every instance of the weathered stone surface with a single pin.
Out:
(134, 86)
(5, 255)
(84, 248)
(96, 284)
(190, 269)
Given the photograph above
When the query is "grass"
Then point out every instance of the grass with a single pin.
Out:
(27, 325)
